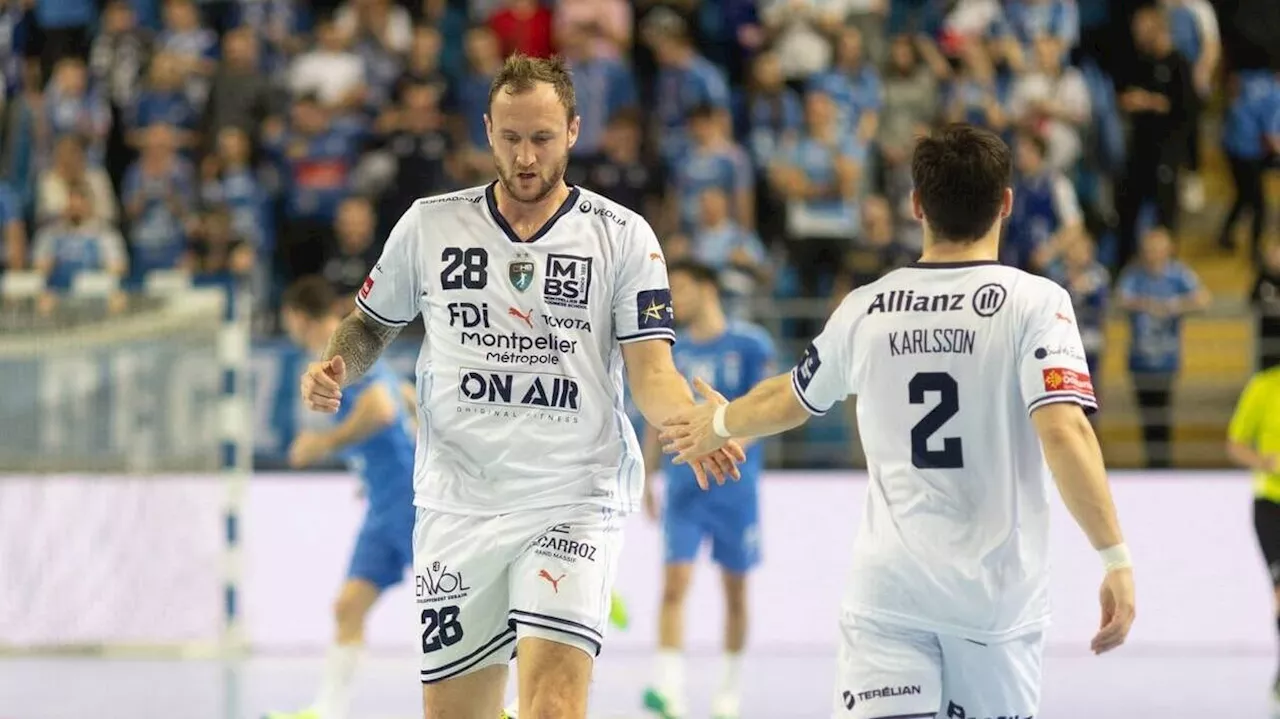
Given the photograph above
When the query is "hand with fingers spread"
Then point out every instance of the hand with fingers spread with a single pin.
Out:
(691, 436)
(322, 385)
(1117, 610)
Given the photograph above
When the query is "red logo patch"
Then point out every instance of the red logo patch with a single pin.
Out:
(366, 287)
(1060, 379)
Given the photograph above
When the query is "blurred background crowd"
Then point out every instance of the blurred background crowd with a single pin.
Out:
(259, 141)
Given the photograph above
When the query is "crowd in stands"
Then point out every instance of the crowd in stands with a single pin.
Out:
(271, 139)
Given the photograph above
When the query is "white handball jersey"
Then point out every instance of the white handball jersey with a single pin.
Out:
(947, 362)
(520, 374)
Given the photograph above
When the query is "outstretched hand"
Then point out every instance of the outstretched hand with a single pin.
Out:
(690, 435)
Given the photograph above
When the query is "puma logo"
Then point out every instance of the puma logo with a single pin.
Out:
(657, 257)
(1062, 318)
(526, 316)
(555, 581)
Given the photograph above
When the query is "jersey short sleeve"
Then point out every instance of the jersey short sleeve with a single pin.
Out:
(1248, 415)
(1051, 361)
(642, 293)
(391, 291)
(823, 375)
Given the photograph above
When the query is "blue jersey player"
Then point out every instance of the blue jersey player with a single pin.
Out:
(374, 433)
(736, 355)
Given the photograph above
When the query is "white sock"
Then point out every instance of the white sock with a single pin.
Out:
(731, 680)
(670, 678)
(334, 700)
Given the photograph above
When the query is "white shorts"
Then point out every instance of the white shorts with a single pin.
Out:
(889, 672)
(481, 583)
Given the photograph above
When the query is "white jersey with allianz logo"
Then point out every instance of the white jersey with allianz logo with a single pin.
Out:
(947, 362)
(520, 374)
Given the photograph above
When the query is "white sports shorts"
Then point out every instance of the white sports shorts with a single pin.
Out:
(482, 583)
(889, 672)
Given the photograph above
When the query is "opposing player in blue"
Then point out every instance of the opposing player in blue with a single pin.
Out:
(374, 433)
(737, 355)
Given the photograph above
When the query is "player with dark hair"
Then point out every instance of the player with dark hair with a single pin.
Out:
(972, 390)
(374, 433)
(535, 297)
(733, 356)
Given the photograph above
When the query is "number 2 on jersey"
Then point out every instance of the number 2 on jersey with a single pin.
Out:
(951, 455)
(465, 268)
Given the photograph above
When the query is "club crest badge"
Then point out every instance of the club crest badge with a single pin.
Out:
(520, 271)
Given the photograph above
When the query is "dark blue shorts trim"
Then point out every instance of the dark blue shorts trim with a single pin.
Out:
(555, 624)
(461, 666)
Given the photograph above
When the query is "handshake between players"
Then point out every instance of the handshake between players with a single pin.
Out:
(322, 392)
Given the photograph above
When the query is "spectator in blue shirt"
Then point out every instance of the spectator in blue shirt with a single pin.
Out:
(281, 26)
(194, 47)
(1256, 97)
(13, 231)
(712, 160)
(720, 241)
(1026, 20)
(854, 85)
(1045, 208)
(603, 86)
(73, 107)
(685, 80)
(975, 96)
(820, 176)
(158, 194)
(317, 156)
(77, 243)
(163, 101)
(725, 246)
(229, 181)
(1157, 292)
(774, 112)
(471, 101)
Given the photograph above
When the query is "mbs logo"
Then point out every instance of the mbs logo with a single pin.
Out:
(568, 281)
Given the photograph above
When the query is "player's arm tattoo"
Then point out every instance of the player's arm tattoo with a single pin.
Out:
(359, 340)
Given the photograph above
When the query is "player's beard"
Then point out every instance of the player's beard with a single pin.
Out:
(545, 185)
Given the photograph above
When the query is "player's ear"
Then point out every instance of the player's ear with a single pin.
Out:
(488, 129)
(575, 124)
(1006, 203)
(917, 211)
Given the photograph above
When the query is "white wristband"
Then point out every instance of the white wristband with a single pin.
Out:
(1116, 557)
(717, 422)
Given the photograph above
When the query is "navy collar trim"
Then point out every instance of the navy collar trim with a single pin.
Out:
(951, 265)
(491, 200)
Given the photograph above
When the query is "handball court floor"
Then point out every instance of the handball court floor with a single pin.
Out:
(1152, 681)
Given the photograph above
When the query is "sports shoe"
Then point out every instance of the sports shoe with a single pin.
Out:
(617, 612)
(725, 706)
(304, 714)
(508, 713)
(661, 705)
